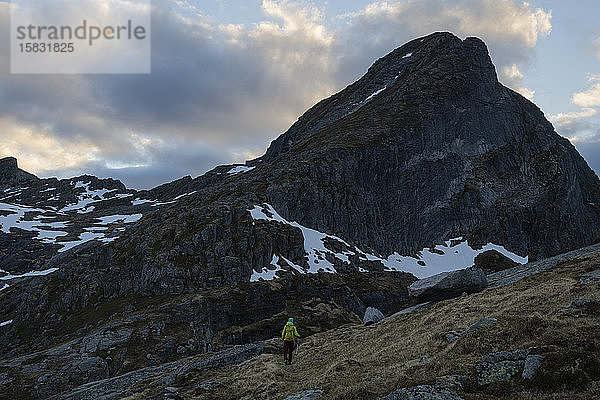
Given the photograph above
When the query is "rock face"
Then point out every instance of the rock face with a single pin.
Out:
(493, 261)
(448, 284)
(11, 174)
(490, 159)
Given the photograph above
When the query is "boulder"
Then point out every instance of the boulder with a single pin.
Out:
(452, 336)
(422, 392)
(532, 363)
(501, 366)
(448, 284)
(372, 315)
(484, 322)
(491, 261)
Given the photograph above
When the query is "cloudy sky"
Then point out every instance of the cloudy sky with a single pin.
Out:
(228, 76)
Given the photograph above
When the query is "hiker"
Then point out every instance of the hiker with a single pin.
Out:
(289, 335)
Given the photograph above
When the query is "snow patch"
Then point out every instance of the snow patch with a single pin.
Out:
(239, 169)
(15, 217)
(84, 199)
(407, 55)
(373, 95)
(6, 322)
(163, 203)
(98, 232)
(50, 236)
(28, 274)
(453, 255)
(314, 244)
(444, 258)
(84, 237)
(123, 219)
(267, 274)
(137, 202)
(184, 195)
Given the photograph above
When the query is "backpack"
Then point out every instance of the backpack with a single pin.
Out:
(288, 332)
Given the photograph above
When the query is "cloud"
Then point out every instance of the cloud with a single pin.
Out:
(512, 76)
(591, 96)
(510, 28)
(219, 92)
(581, 132)
(40, 150)
(562, 119)
(580, 127)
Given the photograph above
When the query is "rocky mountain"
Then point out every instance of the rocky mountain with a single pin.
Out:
(420, 166)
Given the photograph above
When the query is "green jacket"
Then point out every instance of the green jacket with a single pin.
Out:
(289, 332)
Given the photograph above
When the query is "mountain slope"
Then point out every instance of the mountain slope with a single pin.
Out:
(357, 362)
(543, 315)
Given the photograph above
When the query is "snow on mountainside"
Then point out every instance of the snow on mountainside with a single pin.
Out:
(452, 255)
(40, 218)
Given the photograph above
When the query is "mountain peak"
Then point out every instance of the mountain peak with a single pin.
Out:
(420, 77)
(11, 174)
(8, 162)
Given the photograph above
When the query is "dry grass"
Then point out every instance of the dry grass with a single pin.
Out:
(355, 362)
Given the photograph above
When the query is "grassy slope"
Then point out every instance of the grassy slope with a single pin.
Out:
(355, 362)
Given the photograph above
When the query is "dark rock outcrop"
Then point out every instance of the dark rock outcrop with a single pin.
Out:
(501, 366)
(448, 285)
(493, 261)
(11, 175)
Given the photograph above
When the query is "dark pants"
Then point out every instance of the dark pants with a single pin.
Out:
(288, 350)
